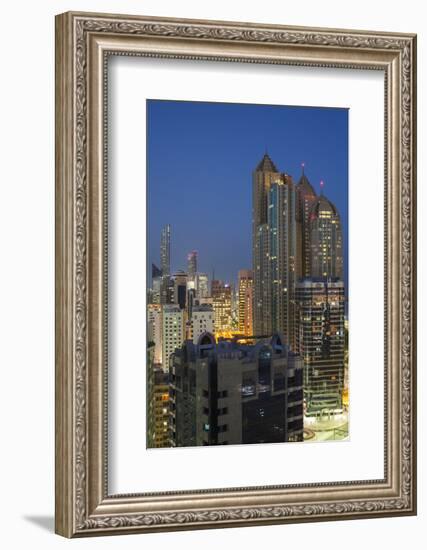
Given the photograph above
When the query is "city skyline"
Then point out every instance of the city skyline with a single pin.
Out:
(246, 306)
(202, 158)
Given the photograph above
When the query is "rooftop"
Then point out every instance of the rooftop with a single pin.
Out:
(266, 165)
(323, 204)
(305, 186)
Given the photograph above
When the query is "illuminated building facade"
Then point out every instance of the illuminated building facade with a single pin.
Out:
(295, 289)
(325, 240)
(320, 341)
(202, 285)
(262, 178)
(281, 255)
(165, 250)
(228, 393)
(166, 284)
(245, 300)
(221, 300)
(166, 289)
(158, 409)
(274, 250)
(156, 289)
(173, 332)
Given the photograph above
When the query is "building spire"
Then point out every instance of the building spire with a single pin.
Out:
(322, 183)
(302, 168)
(266, 164)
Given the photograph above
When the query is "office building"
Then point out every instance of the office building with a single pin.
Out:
(191, 299)
(202, 320)
(166, 289)
(221, 299)
(263, 176)
(281, 255)
(165, 250)
(180, 288)
(201, 285)
(156, 291)
(274, 250)
(320, 341)
(245, 298)
(173, 333)
(157, 409)
(155, 330)
(192, 265)
(305, 198)
(325, 240)
(229, 393)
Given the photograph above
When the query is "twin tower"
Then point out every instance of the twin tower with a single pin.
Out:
(296, 236)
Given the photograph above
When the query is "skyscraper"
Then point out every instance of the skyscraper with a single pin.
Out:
(245, 302)
(166, 289)
(180, 288)
(298, 270)
(192, 264)
(166, 286)
(191, 299)
(325, 240)
(262, 178)
(221, 299)
(305, 198)
(320, 342)
(165, 245)
(202, 285)
(282, 256)
(274, 250)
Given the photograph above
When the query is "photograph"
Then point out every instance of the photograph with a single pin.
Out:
(247, 274)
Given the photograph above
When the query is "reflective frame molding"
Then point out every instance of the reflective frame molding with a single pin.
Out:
(83, 43)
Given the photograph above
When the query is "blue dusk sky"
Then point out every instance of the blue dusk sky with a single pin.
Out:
(199, 174)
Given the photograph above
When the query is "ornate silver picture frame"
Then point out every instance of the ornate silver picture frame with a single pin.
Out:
(84, 42)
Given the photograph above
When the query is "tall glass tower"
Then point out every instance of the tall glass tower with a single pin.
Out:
(282, 256)
(165, 247)
(305, 198)
(319, 310)
(245, 302)
(325, 240)
(192, 264)
(262, 178)
(320, 342)
(274, 251)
